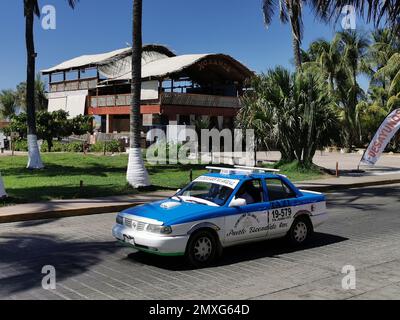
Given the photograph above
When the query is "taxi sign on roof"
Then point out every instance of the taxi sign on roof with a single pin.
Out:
(230, 183)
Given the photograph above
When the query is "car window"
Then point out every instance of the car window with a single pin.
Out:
(251, 191)
(215, 193)
(279, 190)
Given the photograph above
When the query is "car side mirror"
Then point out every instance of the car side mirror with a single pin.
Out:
(179, 190)
(239, 202)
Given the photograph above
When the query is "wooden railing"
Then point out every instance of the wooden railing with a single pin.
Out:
(169, 98)
(84, 84)
(199, 100)
(118, 100)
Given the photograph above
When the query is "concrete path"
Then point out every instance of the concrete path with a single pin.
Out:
(387, 164)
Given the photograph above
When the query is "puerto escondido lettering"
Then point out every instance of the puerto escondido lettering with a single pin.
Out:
(235, 233)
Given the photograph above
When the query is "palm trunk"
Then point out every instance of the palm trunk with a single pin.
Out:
(297, 52)
(34, 161)
(137, 175)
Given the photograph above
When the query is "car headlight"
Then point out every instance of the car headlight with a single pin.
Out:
(119, 220)
(159, 229)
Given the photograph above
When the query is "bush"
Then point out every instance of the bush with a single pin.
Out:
(57, 147)
(111, 146)
(74, 147)
(21, 145)
(155, 149)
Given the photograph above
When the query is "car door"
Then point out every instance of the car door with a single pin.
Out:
(281, 198)
(248, 222)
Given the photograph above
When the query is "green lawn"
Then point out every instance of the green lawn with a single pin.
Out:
(296, 173)
(101, 176)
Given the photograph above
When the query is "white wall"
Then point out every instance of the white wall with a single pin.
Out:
(149, 90)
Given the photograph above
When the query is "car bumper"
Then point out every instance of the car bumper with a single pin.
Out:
(319, 219)
(151, 243)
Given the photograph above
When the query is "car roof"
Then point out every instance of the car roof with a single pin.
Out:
(244, 176)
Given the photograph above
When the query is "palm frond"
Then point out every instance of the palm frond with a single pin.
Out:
(268, 7)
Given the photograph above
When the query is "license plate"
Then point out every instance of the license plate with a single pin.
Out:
(129, 240)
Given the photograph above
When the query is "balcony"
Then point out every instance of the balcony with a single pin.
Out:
(168, 98)
(73, 85)
(199, 100)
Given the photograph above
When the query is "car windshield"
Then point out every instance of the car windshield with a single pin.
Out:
(208, 192)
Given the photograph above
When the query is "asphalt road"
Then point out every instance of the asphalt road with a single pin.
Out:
(363, 231)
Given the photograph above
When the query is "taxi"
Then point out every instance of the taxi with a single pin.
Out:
(223, 208)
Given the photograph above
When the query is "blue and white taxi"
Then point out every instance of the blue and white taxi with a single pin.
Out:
(223, 208)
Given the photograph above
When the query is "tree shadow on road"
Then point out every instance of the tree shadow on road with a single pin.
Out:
(23, 257)
(363, 198)
(35, 223)
(241, 253)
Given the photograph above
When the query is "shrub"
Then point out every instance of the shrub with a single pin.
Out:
(74, 147)
(155, 149)
(21, 145)
(57, 147)
(111, 146)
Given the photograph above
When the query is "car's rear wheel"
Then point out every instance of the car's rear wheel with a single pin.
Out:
(300, 232)
(202, 249)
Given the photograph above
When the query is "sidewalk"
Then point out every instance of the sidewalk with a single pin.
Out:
(78, 207)
(347, 161)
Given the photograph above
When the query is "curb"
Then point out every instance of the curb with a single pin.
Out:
(31, 216)
(64, 213)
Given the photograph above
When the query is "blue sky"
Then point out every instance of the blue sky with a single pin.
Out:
(234, 27)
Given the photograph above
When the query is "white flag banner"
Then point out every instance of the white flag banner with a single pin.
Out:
(382, 138)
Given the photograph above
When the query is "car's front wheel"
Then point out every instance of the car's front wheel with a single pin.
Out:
(202, 249)
(300, 231)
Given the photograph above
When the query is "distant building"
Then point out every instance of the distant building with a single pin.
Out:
(175, 90)
(4, 124)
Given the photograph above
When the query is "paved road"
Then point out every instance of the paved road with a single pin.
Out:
(364, 231)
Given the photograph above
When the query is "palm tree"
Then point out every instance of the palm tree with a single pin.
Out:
(31, 8)
(289, 11)
(391, 71)
(340, 63)
(325, 57)
(374, 10)
(41, 101)
(353, 49)
(254, 115)
(291, 109)
(292, 11)
(383, 47)
(8, 103)
(137, 175)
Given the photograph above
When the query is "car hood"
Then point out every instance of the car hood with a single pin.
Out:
(171, 212)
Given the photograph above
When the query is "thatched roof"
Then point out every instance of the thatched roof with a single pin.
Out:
(199, 66)
(96, 60)
(158, 62)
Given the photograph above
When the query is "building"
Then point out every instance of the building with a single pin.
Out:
(175, 89)
(4, 124)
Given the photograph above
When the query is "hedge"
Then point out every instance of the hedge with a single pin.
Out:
(113, 146)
